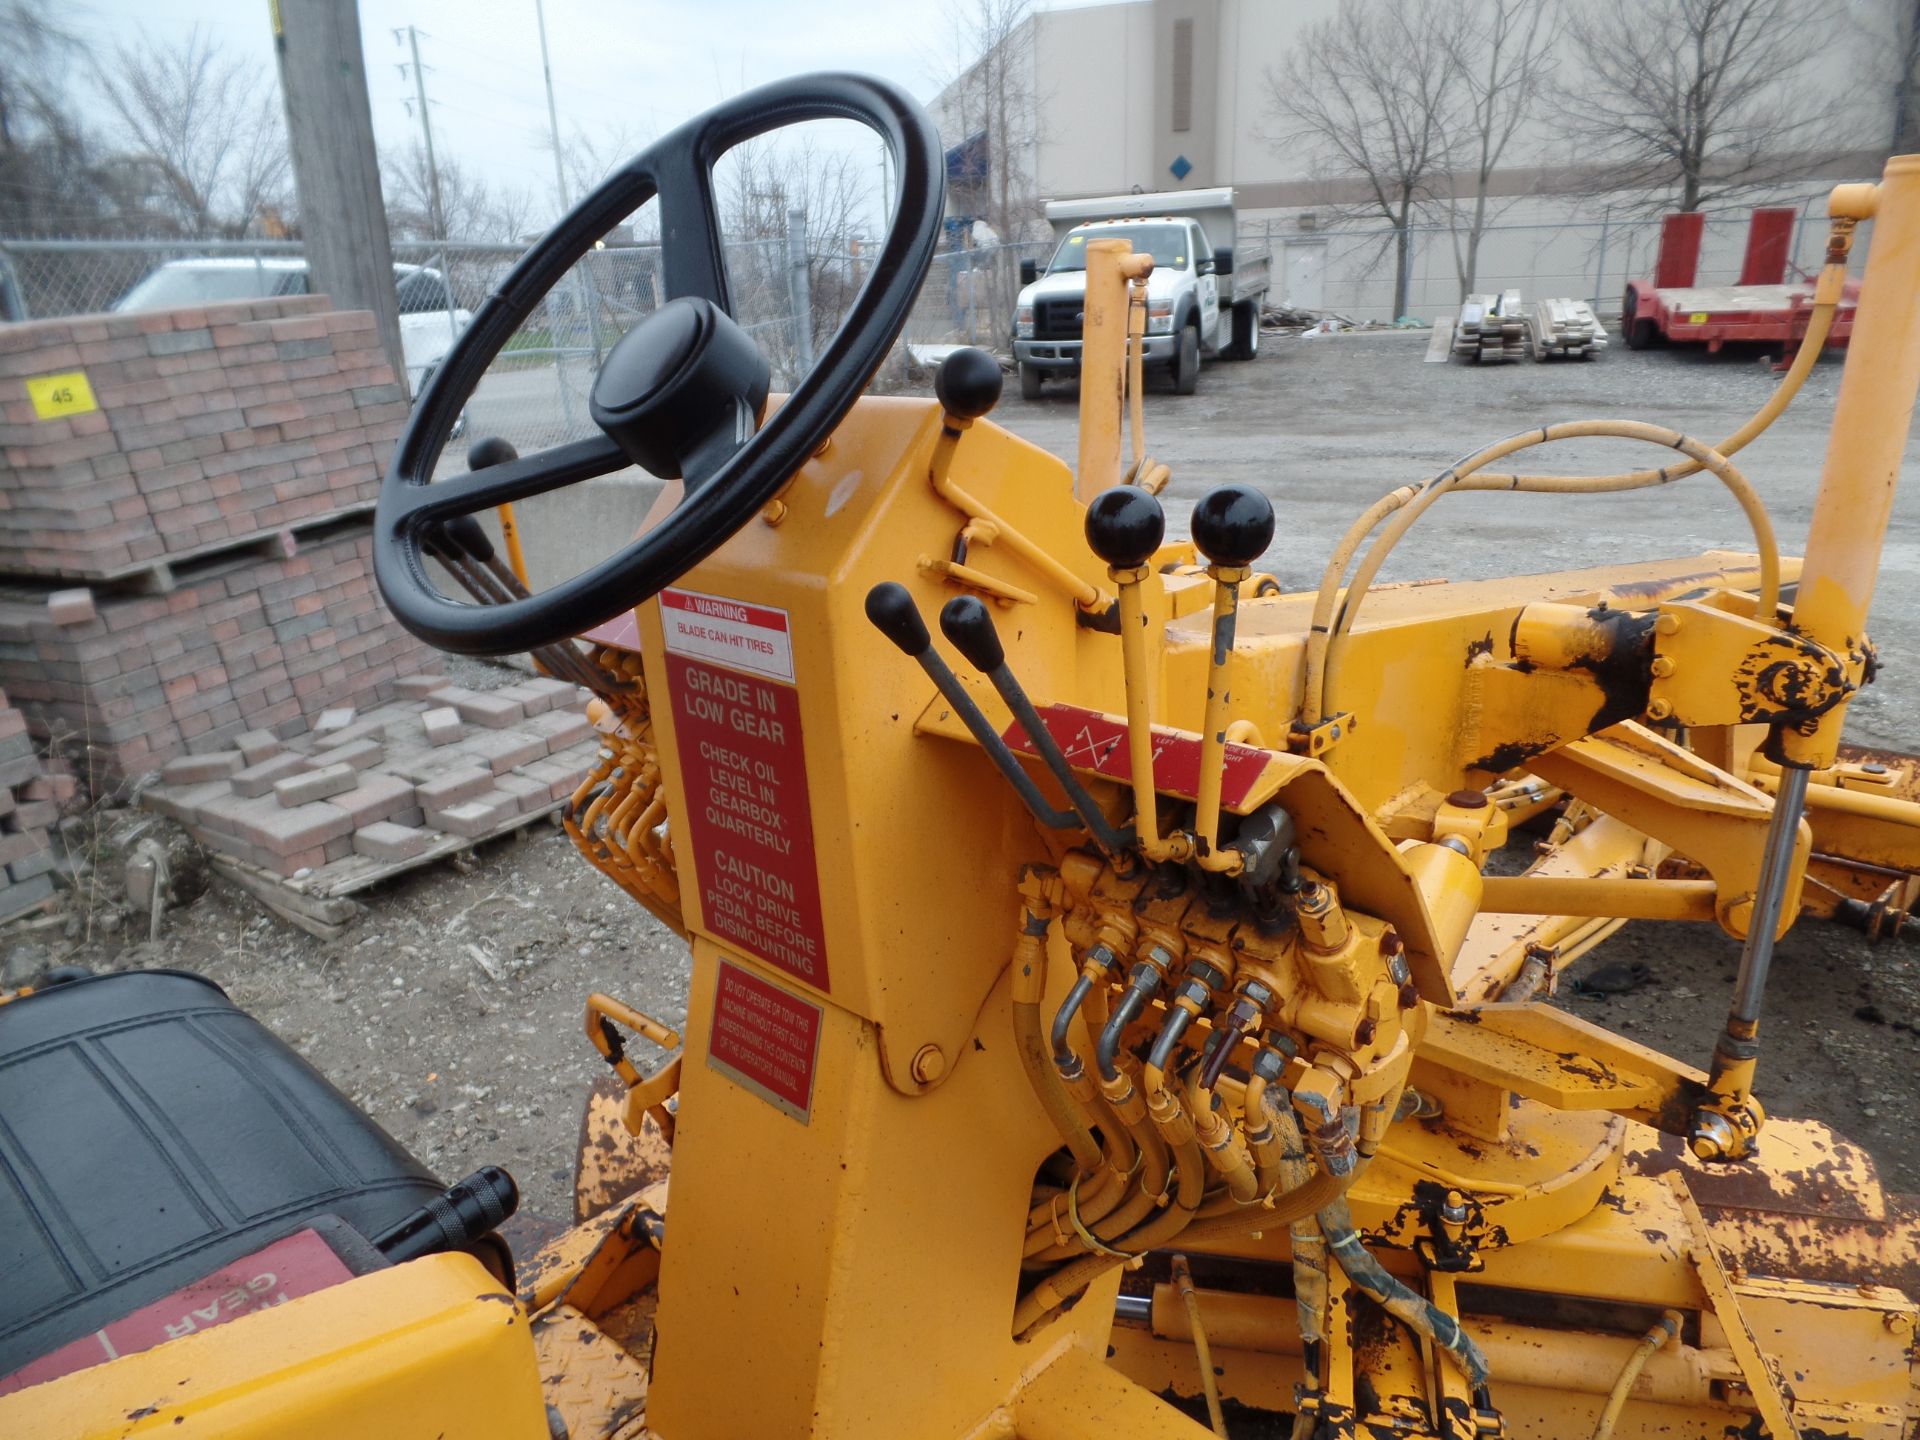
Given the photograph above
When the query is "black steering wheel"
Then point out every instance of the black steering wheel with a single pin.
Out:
(679, 394)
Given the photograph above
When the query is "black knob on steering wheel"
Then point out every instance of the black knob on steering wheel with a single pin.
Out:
(681, 392)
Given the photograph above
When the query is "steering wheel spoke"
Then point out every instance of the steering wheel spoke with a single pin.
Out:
(692, 257)
(502, 484)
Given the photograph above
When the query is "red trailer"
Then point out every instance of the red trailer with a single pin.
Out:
(1763, 307)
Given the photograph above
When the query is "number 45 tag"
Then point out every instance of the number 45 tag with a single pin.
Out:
(57, 396)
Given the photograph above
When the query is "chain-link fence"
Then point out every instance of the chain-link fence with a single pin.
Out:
(1349, 270)
(792, 293)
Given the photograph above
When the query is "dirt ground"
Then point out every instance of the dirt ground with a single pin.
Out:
(466, 1068)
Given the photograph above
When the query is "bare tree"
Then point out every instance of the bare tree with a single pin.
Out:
(992, 115)
(469, 208)
(1887, 42)
(1374, 89)
(205, 126)
(758, 185)
(1695, 101)
(1504, 55)
(53, 176)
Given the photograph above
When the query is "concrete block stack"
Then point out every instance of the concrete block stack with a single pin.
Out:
(208, 475)
(214, 426)
(370, 793)
(30, 801)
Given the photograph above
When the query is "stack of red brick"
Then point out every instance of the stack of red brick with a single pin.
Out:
(244, 643)
(216, 503)
(214, 425)
(30, 801)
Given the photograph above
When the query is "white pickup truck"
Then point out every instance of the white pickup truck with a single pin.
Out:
(1203, 298)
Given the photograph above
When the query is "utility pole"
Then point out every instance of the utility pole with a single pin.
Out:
(553, 115)
(436, 217)
(323, 79)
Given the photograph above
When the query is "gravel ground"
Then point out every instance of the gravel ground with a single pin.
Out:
(467, 1069)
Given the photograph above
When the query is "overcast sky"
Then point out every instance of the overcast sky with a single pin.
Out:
(620, 67)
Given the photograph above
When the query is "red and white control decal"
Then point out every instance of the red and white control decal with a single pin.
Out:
(765, 1040)
(298, 1265)
(736, 720)
(1096, 742)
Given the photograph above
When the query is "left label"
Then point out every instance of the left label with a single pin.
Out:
(743, 761)
(56, 396)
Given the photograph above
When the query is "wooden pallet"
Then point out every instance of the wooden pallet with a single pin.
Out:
(321, 902)
(156, 576)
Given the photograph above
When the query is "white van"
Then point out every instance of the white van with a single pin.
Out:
(429, 319)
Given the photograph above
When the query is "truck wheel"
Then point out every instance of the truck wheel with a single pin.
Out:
(1639, 334)
(1246, 331)
(1186, 364)
(1030, 381)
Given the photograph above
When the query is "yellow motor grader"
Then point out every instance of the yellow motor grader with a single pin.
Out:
(1105, 1020)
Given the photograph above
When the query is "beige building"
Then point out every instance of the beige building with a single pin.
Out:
(1179, 94)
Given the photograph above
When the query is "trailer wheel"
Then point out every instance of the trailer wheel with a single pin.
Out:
(1030, 381)
(1186, 364)
(1246, 332)
(1639, 334)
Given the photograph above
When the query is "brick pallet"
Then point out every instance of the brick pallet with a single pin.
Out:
(243, 642)
(30, 801)
(215, 426)
(361, 798)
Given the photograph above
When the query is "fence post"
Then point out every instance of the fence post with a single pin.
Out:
(1600, 270)
(13, 304)
(799, 290)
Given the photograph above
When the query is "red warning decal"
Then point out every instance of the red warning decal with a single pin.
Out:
(765, 1040)
(744, 763)
(1096, 742)
(298, 1265)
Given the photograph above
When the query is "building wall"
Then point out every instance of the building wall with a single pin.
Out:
(1103, 88)
(1094, 65)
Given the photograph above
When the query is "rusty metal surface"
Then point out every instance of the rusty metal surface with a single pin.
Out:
(599, 1390)
(610, 1163)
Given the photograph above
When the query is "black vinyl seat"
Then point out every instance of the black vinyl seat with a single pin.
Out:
(151, 1132)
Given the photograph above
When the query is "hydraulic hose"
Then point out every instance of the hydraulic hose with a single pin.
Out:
(1183, 1284)
(1335, 606)
(1667, 1327)
(1145, 984)
(1828, 290)
(1373, 1280)
(1029, 960)
(1063, 1052)
(1070, 1279)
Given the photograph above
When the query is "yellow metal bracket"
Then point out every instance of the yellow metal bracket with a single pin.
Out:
(1317, 739)
(1762, 1381)
(1665, 791)
(1715, 666)
(1549, 1056)
(645, 1094)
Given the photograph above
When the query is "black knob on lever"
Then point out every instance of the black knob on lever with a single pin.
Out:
(894, 615)
(1125, 526)
(965, 622)
(464, 533)
(967, 384)
(1233, 525)
(490, 450)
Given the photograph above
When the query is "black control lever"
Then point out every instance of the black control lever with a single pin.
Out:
(894, 615)
(965, 621)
